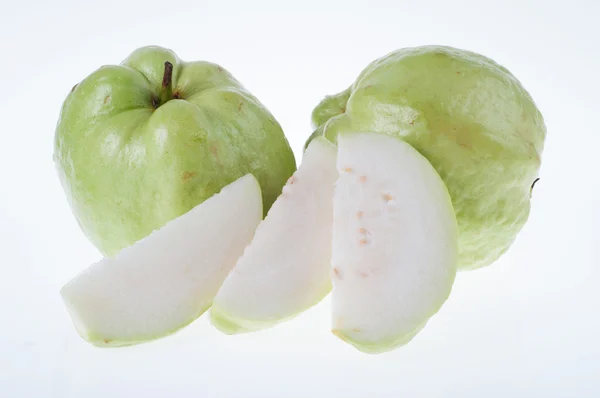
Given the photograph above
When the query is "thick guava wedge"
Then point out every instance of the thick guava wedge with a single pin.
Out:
(286, 269)
(168, 279)
(394, 252)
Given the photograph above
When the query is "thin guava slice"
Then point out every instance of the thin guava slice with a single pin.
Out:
(286, 269)
(168, 279)
(395, 242)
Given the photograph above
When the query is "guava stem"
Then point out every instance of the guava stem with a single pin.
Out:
(166, 90)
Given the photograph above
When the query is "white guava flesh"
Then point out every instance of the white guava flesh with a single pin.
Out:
(168, 279)
(286, 269)
(394, 253)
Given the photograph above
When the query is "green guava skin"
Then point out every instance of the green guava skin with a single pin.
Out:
(470, 117)
(133, 154)
(390, 344)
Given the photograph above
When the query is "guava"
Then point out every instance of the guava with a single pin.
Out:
(167, 279)
(286, 269)
(470, 117)
(143, 142)
(395, 242)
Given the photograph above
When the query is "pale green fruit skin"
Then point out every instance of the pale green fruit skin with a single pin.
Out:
(470, 117)
(381, 347)
(229, 324)
(129, 165)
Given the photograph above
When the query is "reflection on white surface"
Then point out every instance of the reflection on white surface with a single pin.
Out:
(527, 326)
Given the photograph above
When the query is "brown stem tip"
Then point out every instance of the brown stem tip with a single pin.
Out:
(168, 75)
(166, 93)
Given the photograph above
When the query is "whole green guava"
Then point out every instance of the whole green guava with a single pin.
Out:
(143, 142)
(470, 117)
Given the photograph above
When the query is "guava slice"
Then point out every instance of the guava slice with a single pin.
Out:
(287, 267)
(395, 242)
(168, 279)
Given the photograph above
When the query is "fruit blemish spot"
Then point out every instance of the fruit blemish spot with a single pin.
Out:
(188, 175)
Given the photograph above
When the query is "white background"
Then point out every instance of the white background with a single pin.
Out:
(527, 326)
